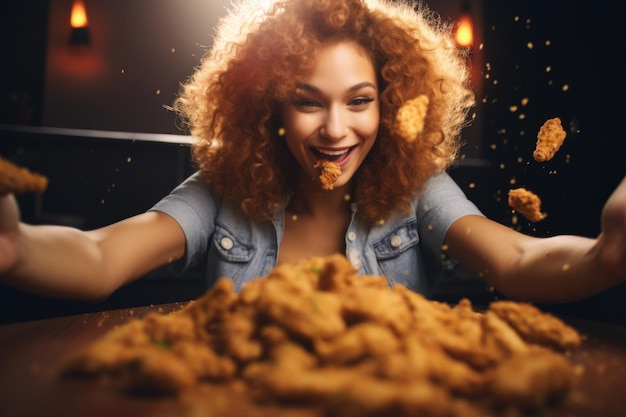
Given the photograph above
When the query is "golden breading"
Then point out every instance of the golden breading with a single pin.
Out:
(315, 333)
(536, 326)
(15, 179)
(410, 118)
(549, 139)
(527, 203)
(330, 173)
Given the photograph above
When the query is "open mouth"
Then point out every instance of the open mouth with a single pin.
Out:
(337, 155)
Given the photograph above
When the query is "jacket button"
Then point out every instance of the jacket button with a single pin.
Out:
(396, 241)
(355, 259)
(226, 243)
(351, 236)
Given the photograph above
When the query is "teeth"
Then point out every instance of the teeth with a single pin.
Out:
(333, 153)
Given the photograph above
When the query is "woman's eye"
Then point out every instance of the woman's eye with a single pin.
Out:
(361, 101)
(306, 103)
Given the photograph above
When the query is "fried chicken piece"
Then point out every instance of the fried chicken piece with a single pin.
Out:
(15, 179)
(357, 342)
(237, 334)
(330, 173)
(549, 140)
(409, 121)
(527, 203)
(371, 304)
(133, 361)
(378, 398)
(425, 356)
(503, 337)
(531, 379)
(536, 326)
(308, 315)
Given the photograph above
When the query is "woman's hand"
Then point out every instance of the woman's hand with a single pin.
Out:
(9, 223)
(612, 240)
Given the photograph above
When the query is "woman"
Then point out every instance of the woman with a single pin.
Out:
(285, 88)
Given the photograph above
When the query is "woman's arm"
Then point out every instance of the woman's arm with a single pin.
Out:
(553, 269)
(66, 262)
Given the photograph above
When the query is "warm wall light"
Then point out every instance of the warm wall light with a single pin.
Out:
(79, 23)
(464, 35)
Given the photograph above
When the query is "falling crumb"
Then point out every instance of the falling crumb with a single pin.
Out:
(529, 45)
(158, 92)
(281, 131)
(129, 159)
(472, 185)
(513, 109)
(444, 248)
(294, 217)
(524, 101)
(173, 50)
(565, 87)
(347, 197)
(565, 267)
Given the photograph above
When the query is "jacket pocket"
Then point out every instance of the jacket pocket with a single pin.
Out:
(397, 241)
(231, 248)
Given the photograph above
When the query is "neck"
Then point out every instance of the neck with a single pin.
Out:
(311, 199)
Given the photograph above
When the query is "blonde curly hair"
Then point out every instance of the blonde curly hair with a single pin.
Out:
(262, 50)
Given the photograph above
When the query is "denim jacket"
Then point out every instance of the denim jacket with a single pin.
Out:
(406, 248)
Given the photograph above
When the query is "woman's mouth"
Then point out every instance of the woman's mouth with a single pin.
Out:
(339, 156)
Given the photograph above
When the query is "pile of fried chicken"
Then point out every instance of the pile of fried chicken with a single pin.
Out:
(315, 332)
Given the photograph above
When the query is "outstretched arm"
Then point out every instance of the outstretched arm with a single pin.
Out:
(66, 262)
(553, 269)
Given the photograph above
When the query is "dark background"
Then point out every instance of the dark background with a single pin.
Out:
(572, 71)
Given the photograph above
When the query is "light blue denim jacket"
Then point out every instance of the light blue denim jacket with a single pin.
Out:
(406, 249)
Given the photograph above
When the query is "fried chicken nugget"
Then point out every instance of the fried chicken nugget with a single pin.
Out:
(527, 203)
(409, 121)
(540, 376)
(329, 174)
(379, 398)
(385, 307)
(15, 179)
(309, 315)
(425, 358)
(549, 140)
(535, 326)
(359, 341)
(133, 361)
(237, 334)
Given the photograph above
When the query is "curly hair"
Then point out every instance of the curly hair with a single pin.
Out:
(262, 51)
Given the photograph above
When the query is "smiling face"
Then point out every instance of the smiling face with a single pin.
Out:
(334, 115)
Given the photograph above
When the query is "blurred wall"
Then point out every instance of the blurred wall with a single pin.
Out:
(139, 53)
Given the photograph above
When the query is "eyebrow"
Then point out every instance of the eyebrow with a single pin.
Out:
(313, 89)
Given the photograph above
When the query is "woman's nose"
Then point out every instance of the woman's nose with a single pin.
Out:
(335, 126)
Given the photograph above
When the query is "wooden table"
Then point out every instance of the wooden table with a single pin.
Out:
(31, 354)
